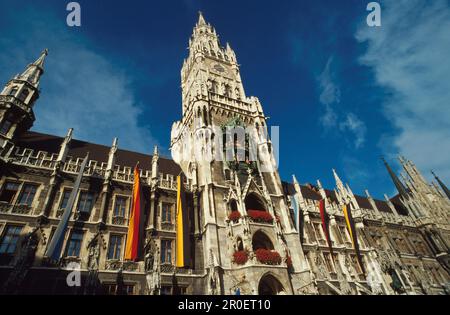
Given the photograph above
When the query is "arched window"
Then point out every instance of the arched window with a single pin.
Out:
(233, 205)
(254, 202)
(239, 244)
(205, 116)
(237, 93)
(227, 174)
(227, 90)
(214, 86)
(269, 285)
(261, 241)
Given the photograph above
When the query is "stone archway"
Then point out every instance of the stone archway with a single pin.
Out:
(254, 202)
(269, 285)
(261, 241)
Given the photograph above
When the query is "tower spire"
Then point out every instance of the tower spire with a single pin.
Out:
(18, 98)
(201, 19)
(339, 184)
(443, 186)
(398, 184)
(35, 70)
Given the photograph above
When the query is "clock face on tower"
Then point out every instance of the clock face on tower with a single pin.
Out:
(217, 67)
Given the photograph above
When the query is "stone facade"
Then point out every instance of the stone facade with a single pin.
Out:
(238, 208)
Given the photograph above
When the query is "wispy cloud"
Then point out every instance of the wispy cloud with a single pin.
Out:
(357, 127)
(330, 96)
(330, 91)
(409, 56)
(80, 88)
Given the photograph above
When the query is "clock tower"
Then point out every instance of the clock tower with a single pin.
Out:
(243, 226)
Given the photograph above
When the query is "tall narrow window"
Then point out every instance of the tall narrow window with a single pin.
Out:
(9, 240)
(65, 199)
(166, 213)
(5, 125)
(356, 264)
(24, 94)
(329, 262)
(85, 202)
(27, 195)
(115, 247)
(9, 192)
(166, 251)
(74, 244)
(120, 206)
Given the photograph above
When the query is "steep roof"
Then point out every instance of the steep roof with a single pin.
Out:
(78, 149)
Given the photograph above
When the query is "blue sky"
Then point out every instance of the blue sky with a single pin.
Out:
(342, 93)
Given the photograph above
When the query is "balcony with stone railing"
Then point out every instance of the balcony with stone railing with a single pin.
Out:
(260, 217)
(167, 183)
(119, 220)
(389, 217)
(5, 207)
(168, 226)
(115, 264)
(229, 102)
(21, 209)
(15, 101)
(28, 157)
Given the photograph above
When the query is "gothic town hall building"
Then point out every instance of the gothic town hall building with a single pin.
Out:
(236, 209)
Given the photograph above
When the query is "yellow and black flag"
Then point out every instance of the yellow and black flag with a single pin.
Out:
(182, 242)
(352, 231)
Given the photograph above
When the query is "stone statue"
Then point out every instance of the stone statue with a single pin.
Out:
(94, 255)
(150, 255)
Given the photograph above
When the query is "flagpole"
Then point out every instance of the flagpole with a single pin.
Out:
(53, 251)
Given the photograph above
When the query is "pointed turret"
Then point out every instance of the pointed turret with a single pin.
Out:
(155, 163)
(443, 186)
(343, 193)
(34, 71)
(398, 184)
(18, 98)
(201, 19)
(112, 155)
(64, 149)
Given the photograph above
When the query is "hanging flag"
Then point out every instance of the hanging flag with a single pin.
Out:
(352, 231)
(301, 226)
(54, 248)
(182, 240)
(325, 223)
(132, 246)
(296, 212)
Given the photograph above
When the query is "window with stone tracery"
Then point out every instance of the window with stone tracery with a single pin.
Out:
(23, 95)
(329, 263)
(13, 91)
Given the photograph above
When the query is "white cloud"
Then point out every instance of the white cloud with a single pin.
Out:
(80, 88)
(410, 57)
(330, 95)
(330, 91)
(357, 127)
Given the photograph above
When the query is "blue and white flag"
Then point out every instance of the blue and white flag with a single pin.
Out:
(296, 212)
(55, 246)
